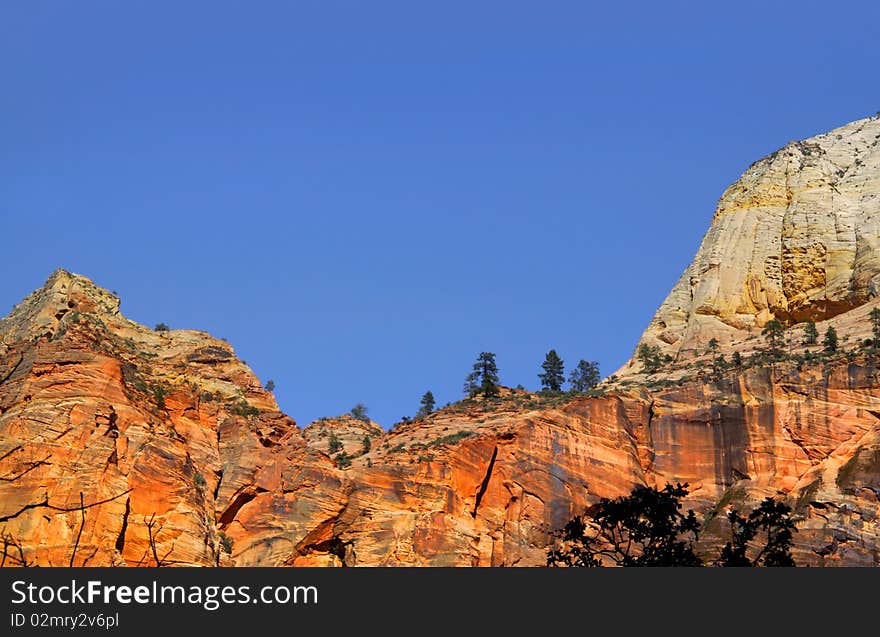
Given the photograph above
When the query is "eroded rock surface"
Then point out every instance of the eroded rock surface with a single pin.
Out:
(124, 445)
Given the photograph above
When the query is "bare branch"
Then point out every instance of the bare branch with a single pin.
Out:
(45, 504)
(33, 465)
(82, 511)
(10, 541)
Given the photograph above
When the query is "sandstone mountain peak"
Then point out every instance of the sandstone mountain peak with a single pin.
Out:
(123, 445)
(796, 238)
(42, 310)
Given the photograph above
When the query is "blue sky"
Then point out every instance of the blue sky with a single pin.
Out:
(361, 197)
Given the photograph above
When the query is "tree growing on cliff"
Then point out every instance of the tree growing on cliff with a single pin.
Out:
(585, 376)
(226, 542)
(649, 356)
(359, 411)
(270, 385)
(719, 366)
(333, 444)
(645, 528)
(366, 445)
(772, 519)
(811, 334)
(774, 334)
(426, 405)
(830, 340)
(554, 372)
(875, 325)
(737, 360)
(342, 459)
(483, 380)
(712, 347)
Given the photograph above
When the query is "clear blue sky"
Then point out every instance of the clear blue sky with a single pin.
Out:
(361, 197)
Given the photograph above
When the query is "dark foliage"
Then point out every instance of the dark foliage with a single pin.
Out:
(483, 380)
(772, 520)
(648, 528)
(650, 357)
(585, 376)
(830, 341)
(811, 334)
(333, 444)
(426, 405)
(359, 411)
(645, 528)
(554, 372)
(774, 333)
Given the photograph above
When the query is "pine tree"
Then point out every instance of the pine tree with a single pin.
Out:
(366, 445)
(712, 347)
(719, 364)
(270, 385)
(472, 384)
(359, 411)
(649, 355)
(875, 325)
(585, 376)
(811, 334)
(737, 359)
(774, 332)
(426, 406)
(830, 340)
(483, 380)
(333, 444)
(554, 372)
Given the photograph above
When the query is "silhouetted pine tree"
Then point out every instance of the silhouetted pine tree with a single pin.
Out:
(426, 405)
(554, 372)
(483, 380)
(585, 376)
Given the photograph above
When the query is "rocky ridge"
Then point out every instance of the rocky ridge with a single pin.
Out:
(796, 238)
(128, 446)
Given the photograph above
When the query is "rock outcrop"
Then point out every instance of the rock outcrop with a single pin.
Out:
(349, 432)
(124, 445)
(796, 238)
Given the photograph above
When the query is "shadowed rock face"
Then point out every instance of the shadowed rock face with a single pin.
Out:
(126, 446)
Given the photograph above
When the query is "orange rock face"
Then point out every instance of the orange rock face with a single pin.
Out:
(348, 431)
(180, 457)
(167, 437)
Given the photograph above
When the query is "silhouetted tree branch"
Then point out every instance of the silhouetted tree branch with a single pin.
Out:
(10, 541)
(45, 504)
(31, 467)
(647, 528)
(82, 512)
(152, 535)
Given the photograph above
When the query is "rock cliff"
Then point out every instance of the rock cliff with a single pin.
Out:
(796, 238)
(165, 435)
(124, 445)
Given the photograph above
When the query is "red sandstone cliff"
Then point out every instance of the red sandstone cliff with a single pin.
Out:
(175, 438)
(124, 445)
